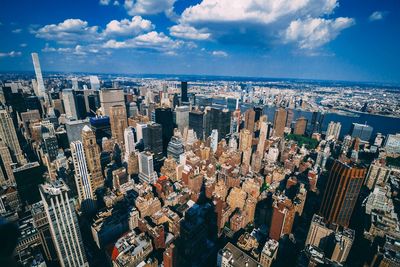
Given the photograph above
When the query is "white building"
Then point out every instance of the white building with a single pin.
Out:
(214, 140)
(39, 78)
(333, 130)
(69, 104)
(146, 168)
(129, 141)
(182, 117)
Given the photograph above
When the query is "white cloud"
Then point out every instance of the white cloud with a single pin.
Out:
(148, 7)
(151, 40)
(69, 31)
(189, 32)
(116, 3)
(377, 15)
(255, 11)
(219, 53)
(11, 54)
(23, 45)
(314, 32)
(17, 31)
(104, 2)
(127, 27)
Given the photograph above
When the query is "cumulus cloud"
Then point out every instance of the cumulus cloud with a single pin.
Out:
(127, 27)
(69, 31)
(10, 54)
(219, 53)
(151, 40)
(17, 31)
(104, 2)
(377, 15)
(314, 32)
(23, 45)
(148, 7)
(189, 32)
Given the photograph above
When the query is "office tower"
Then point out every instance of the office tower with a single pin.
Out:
(175, 148)
(111, 97)
(101, 128)
(259, 155)
(232, 256)
(392, 144)
(378, 174)
(9, 136)
(258, 113)
(82, 177)
(28, 177)
(64, 226)
(92, 155)
(146, 168)
(341, 193)
(50, 145)
(39, 78)
(300, 126)
(32, 103)
(214, 140)
(249, 120)
(217, 119)
(129, 140)
(94, 103)
(182, 117)
(6, 172)
(335, 242)
(289, 118)
(282, 217)
(152, 139)
(80, 104)
(232, 103)
(164, 117)
(245, 144)
(196, 122)
(131, 250)
(184, 92)
(74, 82)
(118, 122)
(269, 253)
(94, 83)
(133, 109)
(280, 122)
(333, 130)
(362, 131)
(74, 129)
(68, 99)
(139, 130)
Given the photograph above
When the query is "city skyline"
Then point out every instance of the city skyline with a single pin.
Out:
(333, 40)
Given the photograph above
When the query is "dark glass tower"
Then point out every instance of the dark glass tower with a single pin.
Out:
(152, 139)
(184, 92)
(164, 117)
(217, 119)
(341, 193)
(196, 122)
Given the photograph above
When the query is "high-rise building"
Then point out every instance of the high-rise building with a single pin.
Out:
(289, 118)
(245, 144)
(334, 241)
(39, 78)
(82, 177)
(184, 92)
(282, 217)
(74, 129)
(50, 145)
(111, 97)
(196, 122)
(146, 168)
(6, 172)
(152, 139)
(214, 140)
(259, 155)
(341, 193)
(392, 144)
(300, 126)
(118, 122)
(175, 148)
(280, 122)
(92, 155)
(129, 140)
(362, 131)
(64, 226)
(232, 256)
(182, 117)
(333, 130)
(378, 174)
(164, 117)
(94, 83)
(249, 120)
(217, 119)
(68, 99)
(9, 136)
(269, 253)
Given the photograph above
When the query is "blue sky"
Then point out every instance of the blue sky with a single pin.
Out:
(319, 39)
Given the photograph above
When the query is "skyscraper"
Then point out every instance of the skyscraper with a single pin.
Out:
(92, 155)
(175, 148)
(82, 176)
(111, 97)
(39, 78)
(196, 122)
(146, 169)
(333, 130)
(94, 83)
(182, 117)
(164, 117)
(9, 136)
(184, 95)
(300, 126)
(362, 131)
(341, 193)
(118, 121)
(217, 119)
(69, 103)
(259, 154)
(249, 120)
(6, 172)
(152, 139)
(280, 122)
(214, 140)
(63, 223)
(130, 143)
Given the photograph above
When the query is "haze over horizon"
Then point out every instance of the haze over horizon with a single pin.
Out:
(320, 39)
